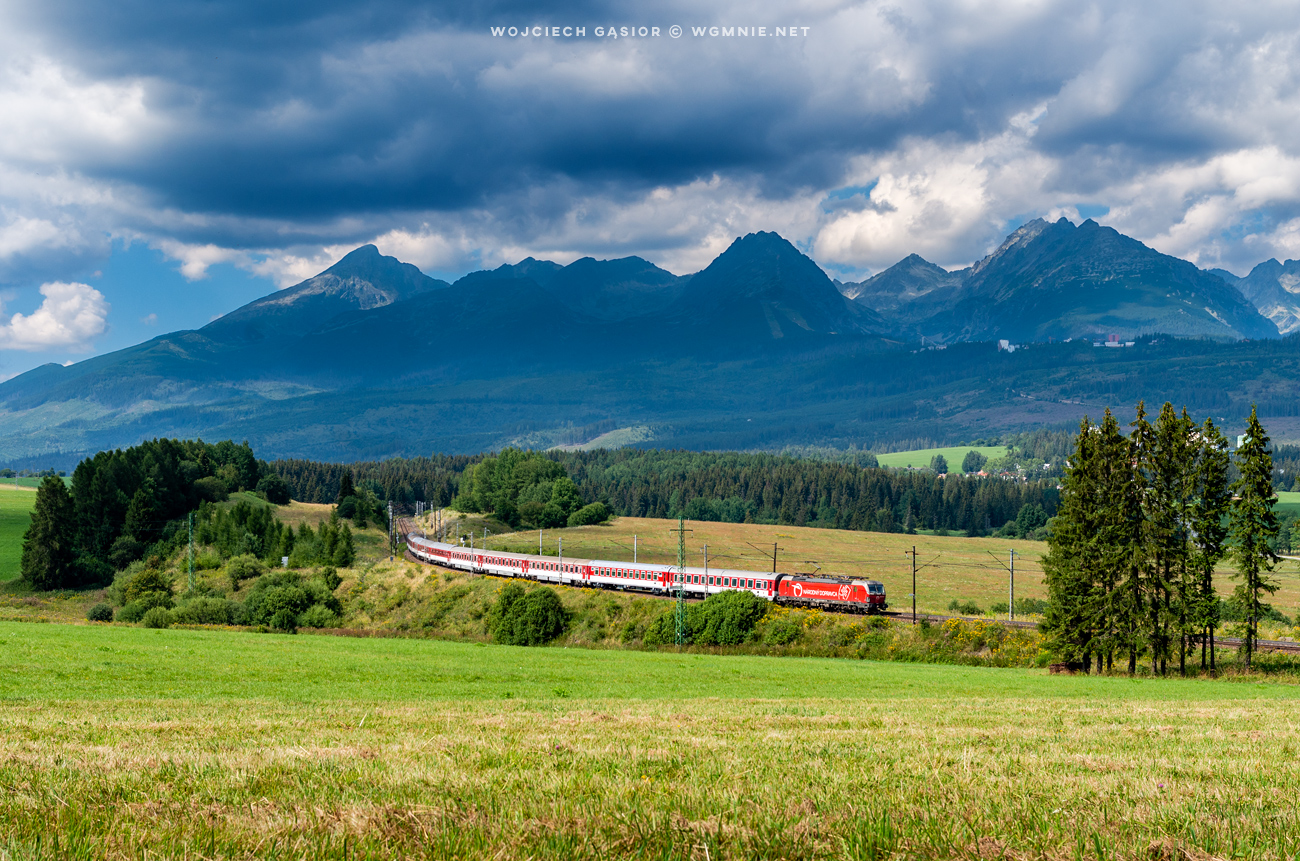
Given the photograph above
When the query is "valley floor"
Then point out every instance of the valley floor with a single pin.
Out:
(122, 742)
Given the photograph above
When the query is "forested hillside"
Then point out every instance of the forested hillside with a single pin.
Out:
(756, 488)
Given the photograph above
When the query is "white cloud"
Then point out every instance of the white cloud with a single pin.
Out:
(70, 317)
(150, 319)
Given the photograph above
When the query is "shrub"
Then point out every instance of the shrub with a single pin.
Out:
(207, 561)
(726, 619)
(1028, 606)
(207, 610)
(522, 618)
(157, 617)
(589, 515)
(211, 489)
(135, 610)
(148, 580)
(966, 608)
(330, 578)
(124, 551)
(998, 608)
(100, 613)
(319, 616)
(275, 488)
(284, 620)
(782, 632)
(244, 567)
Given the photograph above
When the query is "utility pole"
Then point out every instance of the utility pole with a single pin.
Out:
(392, 543)
(634, 549)
(775, 549)
(561, 551)
(913, 555)
(680, 619)
(539, 542)
(1012, 569)
(191, 552)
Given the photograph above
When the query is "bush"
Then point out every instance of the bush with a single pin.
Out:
(999, 608)
(284, 620)
(589, 515)
(146, 581)
(134, 610)
(124, 551)
(211, 489)
(244, 567)
(782, 632)
(522, 618)
(207, 610)
(100, 613)
(966, 608)
(157, 617)
(275, 488)
(319, 616)
(724, 619)
(330, 578)
(207, 561)
(1030, 606)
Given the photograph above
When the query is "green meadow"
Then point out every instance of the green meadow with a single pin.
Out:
(920, 458)
(15, 516)
(129, 743)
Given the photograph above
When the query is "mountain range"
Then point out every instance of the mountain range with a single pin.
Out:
(760, 349)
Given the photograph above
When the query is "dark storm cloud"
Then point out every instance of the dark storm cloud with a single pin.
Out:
(283, 126)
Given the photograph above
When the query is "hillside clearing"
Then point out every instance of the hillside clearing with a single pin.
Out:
(920, 458)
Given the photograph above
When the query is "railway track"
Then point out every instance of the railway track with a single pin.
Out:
(406, 525)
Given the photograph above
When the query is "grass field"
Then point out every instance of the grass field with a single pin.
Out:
(15, 516)
(922, 457)
(130, 743)
(1288, 502)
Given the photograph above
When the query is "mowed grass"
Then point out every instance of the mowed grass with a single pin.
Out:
(130, 743)
(920, 458)
(15, 516)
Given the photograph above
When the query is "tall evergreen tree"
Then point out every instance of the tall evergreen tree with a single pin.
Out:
(49, 555)
(1213, 498)
(1072, 555)
(346, 487)
(1252, 522)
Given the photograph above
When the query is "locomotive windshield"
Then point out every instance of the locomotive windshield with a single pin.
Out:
(876, 589)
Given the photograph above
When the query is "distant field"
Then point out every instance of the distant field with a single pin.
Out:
(224, 745)
(15, 517)
(922, 457)
(1288, 502)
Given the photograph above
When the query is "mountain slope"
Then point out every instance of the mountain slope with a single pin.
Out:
(1057, 281)
(1274, 289)
(362, 280)
(763, 288)
(603, 289)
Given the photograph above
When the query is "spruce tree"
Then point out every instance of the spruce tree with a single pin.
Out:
(346, 487)
(1071, 555)
(1213, 497)
(1252, 522)
(48, 553)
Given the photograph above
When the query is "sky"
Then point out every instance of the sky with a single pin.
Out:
(163, 163)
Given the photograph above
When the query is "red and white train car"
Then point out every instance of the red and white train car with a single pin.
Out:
(839, 594)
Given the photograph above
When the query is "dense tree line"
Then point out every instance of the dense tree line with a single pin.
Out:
(730, 487)
(123, 502)
(402, 481)
(761, 488)
(1143, 520)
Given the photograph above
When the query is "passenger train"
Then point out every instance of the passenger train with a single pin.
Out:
(837, 594)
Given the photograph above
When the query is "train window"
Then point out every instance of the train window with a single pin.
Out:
(750, 584)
